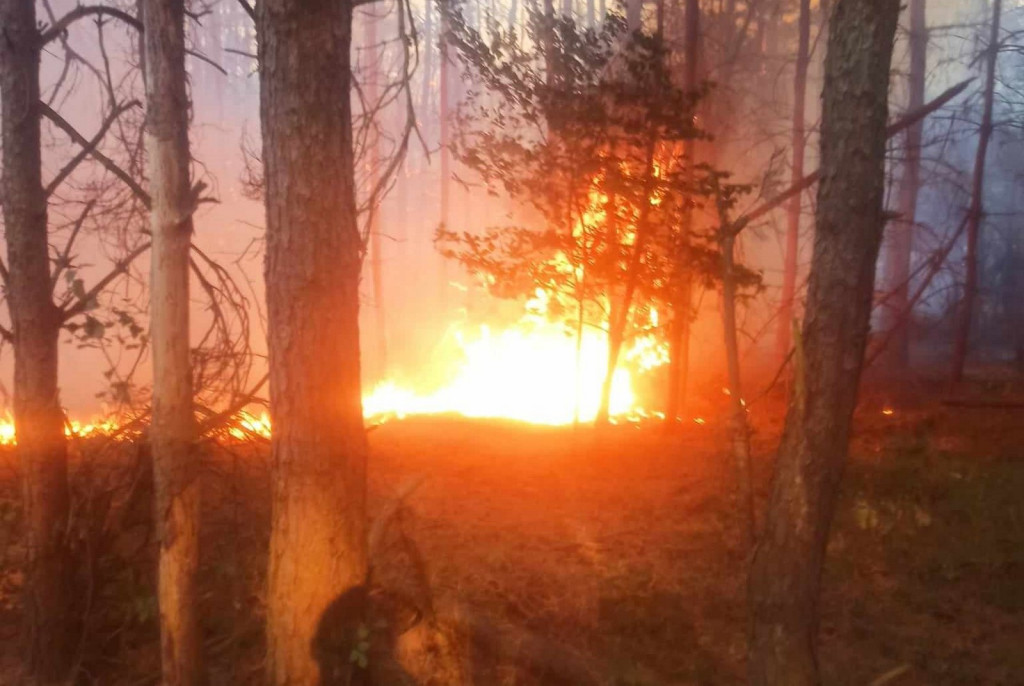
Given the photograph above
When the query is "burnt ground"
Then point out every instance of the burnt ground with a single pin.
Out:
(620, 546)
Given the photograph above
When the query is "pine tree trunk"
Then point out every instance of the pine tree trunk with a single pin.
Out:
(38, 418)
(799, 139)
(975, 213)
(175, 464)
(786, 571)
(901, 232)
(318, 451)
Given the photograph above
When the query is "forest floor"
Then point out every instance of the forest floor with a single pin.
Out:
(620, 545)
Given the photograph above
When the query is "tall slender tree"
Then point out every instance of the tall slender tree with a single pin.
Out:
(318, 547)
(975, 212)
(901, 232)
(795, 208)
(373, 76)
(786, 572)
(36, 321)
(172, 433)
(682, 280)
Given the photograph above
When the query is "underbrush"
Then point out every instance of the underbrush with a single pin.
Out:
(614, 554)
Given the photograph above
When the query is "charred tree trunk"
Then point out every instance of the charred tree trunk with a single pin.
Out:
(38, 418)
(799, 141)
(786, 572)
(901, 233)
(961, 342)
(318, 547)
(175, 464)
(682, 278)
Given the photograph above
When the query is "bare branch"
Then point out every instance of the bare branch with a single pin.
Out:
(63, 260)
(89, 148)
(897, 126)
(248, 9)
(110, 165)
(218, 420)
(81, 12)
(120, 267)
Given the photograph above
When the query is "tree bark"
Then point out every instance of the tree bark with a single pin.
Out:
(38, 418)
(682, 278)
(175, 465)
(975, 213)
(318, 547)
(799, 140)
(901, 232)
(786, 571)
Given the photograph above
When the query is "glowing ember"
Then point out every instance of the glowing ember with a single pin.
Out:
(888, 412)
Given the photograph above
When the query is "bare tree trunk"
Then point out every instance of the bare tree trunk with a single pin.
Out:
(38, 417)
(634, 14)
(446, 151)
(618, 318)
(318, 547)
(175, 464)
(373, 74)
(786, 572)
(961, 342)
(901, 232)
(679, 344)
(428, 56)
(738, 426)
(799, 142)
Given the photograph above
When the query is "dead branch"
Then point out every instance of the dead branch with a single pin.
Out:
(81, 12)
(108, 163)
(89, 147)
(63, 260)
(896, 127)
(120, 267)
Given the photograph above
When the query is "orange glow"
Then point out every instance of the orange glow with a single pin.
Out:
(888, 412)
(527, 372)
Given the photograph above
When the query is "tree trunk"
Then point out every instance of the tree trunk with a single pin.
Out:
(373, 74)
(799, 141)
(901, 232)
(318, 547)
(175, 464)
(38, 418)
(618, 318)
(682, 278)
(738, 425)
(975, 213)
(634, 14)
(786, 571)
(446, 150)
(428, 57)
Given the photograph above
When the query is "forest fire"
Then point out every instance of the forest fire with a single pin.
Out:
(544, 374)
(534, 371)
